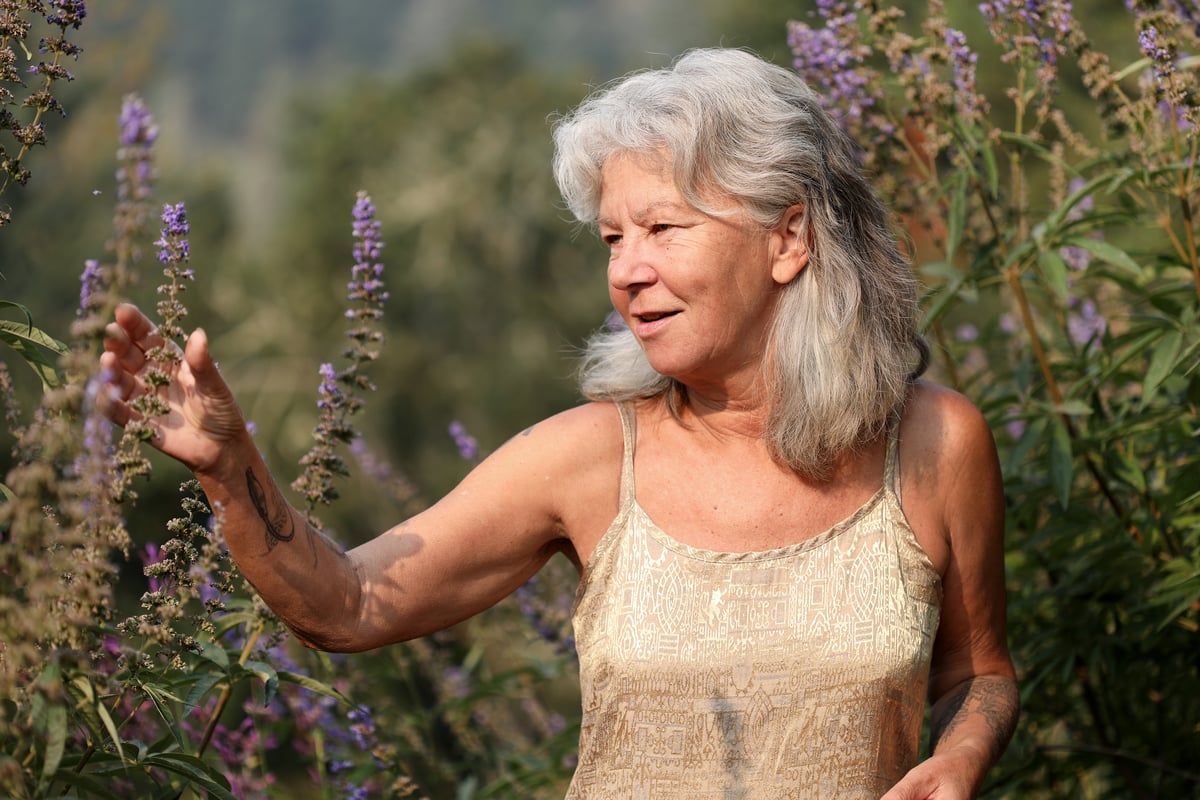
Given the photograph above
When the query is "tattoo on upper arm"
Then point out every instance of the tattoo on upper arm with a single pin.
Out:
(276, 515)
(992, 698)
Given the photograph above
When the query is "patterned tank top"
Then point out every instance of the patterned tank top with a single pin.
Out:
(798, 672)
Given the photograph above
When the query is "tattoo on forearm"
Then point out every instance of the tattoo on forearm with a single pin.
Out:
(990, 698)
(277, 517)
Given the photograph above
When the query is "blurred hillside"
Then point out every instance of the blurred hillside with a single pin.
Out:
(272, 115)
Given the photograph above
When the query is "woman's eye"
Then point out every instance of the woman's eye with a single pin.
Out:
(612, 239)
(659, 227)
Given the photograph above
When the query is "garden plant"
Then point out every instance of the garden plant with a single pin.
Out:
(1047, 191)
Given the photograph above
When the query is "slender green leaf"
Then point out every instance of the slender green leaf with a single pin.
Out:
(199, 772)
(1061, 468)
(110, 726)
(23, 309)
(1162, 362)
(25, 340)
(1054, 270)
(269, 676)
(957, 218)
(95, 787)
(56, 741)
(215, 654)
(312, 684)
(1108, 253)
(203, 685)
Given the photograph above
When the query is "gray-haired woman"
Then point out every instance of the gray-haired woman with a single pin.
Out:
(786, 540)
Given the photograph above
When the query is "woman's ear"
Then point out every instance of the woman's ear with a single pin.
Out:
(789, 248)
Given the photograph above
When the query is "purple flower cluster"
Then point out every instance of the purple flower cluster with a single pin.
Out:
(173, 245)
(1044, 25)
(330, 393)
(366, 284)
(66, 13)
(1159, 53)
(548, 621)
(137, 126)
(963, 62)
(832, 62)
(1085, 324)
(91, 281)
(468, 448)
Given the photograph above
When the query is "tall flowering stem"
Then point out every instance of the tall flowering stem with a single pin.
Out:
(173, 253)
(14, 29)
(340, 394)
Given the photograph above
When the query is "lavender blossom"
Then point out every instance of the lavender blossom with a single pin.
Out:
(66, 13)
(91, 281)
(963, 60)
(136, 123)
(468, 448)
(173, 245)
(1086, 325)
(1042, 25)
(1160, 53)
(173, 252)
(366, 286)
(828, 59)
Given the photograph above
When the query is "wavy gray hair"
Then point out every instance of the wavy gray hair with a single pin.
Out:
(844, 345)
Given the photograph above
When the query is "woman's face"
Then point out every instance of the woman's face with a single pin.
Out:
(696, 290)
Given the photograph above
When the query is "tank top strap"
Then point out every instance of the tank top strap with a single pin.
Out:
(891, 469)
(629, 432)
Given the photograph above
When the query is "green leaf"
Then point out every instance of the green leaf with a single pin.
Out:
(25, 340)
(1108, 253)
(215, 654)
(957, 218)
(989, 165)
(269, 676)
(1128, 470)
(7, 492)
(56, 741)
(1061, 468)
(110, 726)
(197, 771)
(95, 787)
(203, 685)
(312, 684)
(1162, 363)
(1073, 408)
(1054, 270)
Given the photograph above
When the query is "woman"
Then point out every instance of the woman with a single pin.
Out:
(785, 539)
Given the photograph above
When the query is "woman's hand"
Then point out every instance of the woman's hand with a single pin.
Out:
(940, 777)
(203, 417)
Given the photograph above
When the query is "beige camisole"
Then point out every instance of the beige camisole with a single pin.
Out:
(798, 672)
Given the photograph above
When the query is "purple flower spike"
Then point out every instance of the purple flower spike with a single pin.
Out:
(90, 283)
(366, 286)
(137, 125)
(468, 448)
(173, 246)
(66, 13)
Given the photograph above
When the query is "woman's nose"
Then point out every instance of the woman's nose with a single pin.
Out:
(628, 267)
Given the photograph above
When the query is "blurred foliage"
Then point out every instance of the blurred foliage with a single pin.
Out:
(1087, 374)
(1049, 188)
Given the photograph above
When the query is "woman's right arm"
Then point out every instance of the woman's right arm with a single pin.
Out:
(465, 553)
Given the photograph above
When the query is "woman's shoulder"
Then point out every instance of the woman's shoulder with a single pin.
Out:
(568, 444)
(943, 419)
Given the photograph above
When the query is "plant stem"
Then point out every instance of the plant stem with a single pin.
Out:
(226, 692)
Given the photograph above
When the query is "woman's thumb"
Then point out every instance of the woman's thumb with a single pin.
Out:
(199, 360)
